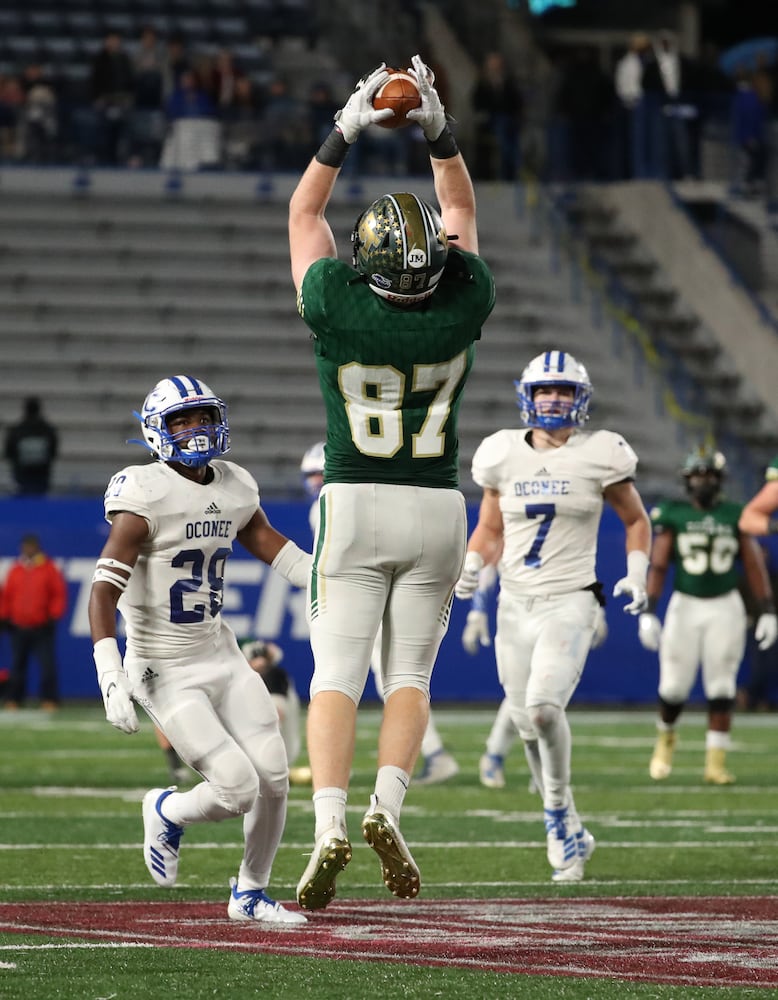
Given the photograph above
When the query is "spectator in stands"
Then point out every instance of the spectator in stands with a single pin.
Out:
(175, 62)
(193, 141)
(39, 120)
(31, 446)
(320, 110)
(240, 126)
(190, 99)
(148, 65)
(12, 99)
(633, 130)
(667, 85)
(33, 599)
(498, 106)
(224, 81)
(112, 96)
(283, 147)
(749, 123)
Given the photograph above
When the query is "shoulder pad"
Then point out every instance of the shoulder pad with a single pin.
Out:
(489, 454)
(136, 488)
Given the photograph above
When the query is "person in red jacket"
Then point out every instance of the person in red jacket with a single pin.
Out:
(33, 599)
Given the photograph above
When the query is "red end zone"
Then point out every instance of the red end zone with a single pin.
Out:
(712, 941)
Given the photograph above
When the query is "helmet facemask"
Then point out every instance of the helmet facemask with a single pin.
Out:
(193, 447)
(554, 368)
(400, 245)
(703, 473)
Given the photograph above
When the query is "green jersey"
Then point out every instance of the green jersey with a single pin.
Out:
(392, 377)
(706, 544)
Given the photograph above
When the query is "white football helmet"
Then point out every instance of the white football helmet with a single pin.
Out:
(171, 395)
(554, 368)
(313, 465)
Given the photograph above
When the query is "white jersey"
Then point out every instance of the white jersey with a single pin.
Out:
(173, 602)
(551, 502)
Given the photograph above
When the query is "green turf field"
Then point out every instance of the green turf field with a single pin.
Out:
(71, 832)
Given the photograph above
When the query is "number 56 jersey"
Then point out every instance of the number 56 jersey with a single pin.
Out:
(551, 502)
(173, 601)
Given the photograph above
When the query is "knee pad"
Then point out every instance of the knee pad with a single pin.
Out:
(233, 780)
(544, 717)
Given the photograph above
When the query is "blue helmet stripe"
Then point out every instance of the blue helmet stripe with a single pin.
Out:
(197, 386)
(178, 383)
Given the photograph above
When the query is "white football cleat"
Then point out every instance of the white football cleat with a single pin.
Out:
(255, 904)
(161, 838)
(585, 845)
(490, 770)
(438, 767)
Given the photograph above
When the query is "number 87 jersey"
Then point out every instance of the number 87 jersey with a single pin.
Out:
(391, 376)
(551, 502)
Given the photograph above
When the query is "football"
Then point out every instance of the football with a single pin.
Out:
(399, 93)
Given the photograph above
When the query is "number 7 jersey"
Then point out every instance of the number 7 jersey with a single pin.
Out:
(551, 503)
(173, 601)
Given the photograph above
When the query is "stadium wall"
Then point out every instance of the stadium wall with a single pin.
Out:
(258, 602)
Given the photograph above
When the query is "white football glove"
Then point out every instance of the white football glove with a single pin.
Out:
(766, 631)
(649, 631)
(431, 116)
(476, 632)
(634, 583)
(467, 584)
(358, 111)
(600, 628)
(115, 686)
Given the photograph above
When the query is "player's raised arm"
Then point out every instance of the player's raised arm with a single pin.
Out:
(310, 236)
(453, 186)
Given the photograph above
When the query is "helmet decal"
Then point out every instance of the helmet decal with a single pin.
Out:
(400, 244)
(193, 447)
(549, 369)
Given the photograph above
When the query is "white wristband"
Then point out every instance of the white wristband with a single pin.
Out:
(637, 565)
(293, 564)
(107, 656)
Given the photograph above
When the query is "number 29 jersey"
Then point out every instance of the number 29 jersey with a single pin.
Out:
(551, 503)
(173, 601)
